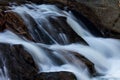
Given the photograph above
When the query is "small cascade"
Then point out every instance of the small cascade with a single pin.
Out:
(60, 41)
(3, 71)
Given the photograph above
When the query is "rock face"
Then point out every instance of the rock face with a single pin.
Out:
(55, 76)
(19, 63)
(108, 13)
(12, 21)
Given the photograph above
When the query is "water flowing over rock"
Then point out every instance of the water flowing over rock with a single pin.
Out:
(104, 14)
(13, 22)
(44, 42)
(19, 63)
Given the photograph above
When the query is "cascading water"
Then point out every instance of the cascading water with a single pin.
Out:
(3, 71)
(103, 52)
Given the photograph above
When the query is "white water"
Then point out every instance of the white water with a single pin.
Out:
(4, 72)
(2, 75)
(104, 53)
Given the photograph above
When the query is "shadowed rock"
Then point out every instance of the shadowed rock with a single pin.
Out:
(55, 76)
(60, 25)
(76, 59)
(19, 63)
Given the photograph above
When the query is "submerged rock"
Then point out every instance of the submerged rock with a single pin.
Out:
(63, 75)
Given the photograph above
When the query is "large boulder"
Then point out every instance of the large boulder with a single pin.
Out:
(108, 13)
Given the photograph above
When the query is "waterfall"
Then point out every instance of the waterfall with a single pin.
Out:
(102, 52)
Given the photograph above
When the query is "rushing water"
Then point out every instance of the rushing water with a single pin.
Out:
(3, 70)
(103, 52)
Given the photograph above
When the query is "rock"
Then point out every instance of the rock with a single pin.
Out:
(11, 21)
(8, 2)
(38, 35)
(63, 75)
(59, 30)
(109, 17)
(76, 59)
(104, 14)
(19, 63)
(87, 24)
(60, 25)
(73, 58)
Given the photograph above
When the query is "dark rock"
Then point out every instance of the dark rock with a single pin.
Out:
(12, 21)
(104, 14)
(55, 76)
(87, 24)
(19, 63)
(87, 62)
(37, 33)
(37, 1)
(60, 25)
(8, 2)
(76, 59)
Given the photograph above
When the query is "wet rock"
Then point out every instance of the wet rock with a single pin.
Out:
(109, 19)
(76, 59)
(11, 21)
(58, 31)
(55, 76)
(104, 14)
(38, 34)
(60, 26)
(19, 63)
(87, 62)
(87, 24)
(8, 2)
